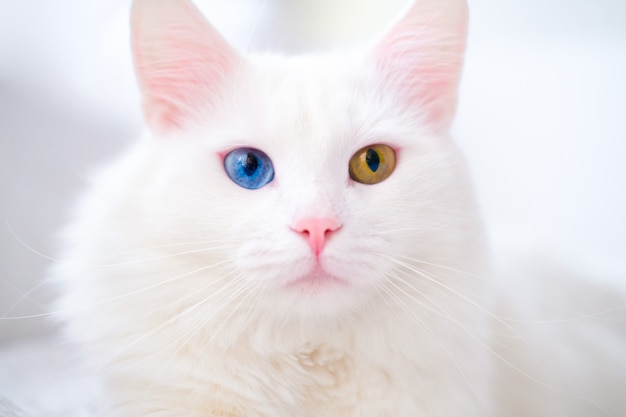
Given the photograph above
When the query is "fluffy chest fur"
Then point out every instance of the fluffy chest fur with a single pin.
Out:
(373, 368)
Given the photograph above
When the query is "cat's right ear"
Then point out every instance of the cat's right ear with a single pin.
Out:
(180, 61)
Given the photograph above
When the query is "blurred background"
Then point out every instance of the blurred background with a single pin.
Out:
(542, 119)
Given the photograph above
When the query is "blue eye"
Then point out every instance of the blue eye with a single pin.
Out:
(249, 168)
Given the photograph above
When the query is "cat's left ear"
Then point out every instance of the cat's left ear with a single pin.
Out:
(181, 61)
(421, 58)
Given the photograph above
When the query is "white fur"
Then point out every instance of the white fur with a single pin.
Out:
(182, 273)
(176, 280)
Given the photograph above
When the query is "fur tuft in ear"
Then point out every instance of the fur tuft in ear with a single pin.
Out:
(180, 61)
(421, 57)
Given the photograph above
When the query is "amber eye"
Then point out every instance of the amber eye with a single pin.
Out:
(372, 164)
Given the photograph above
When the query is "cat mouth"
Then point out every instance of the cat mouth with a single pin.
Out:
(316, 281)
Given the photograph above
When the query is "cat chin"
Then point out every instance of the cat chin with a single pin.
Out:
(318, 298)
(320, 308)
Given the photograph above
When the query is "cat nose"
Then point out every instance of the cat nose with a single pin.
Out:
(316, 230)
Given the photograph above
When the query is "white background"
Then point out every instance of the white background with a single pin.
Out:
(542, 118)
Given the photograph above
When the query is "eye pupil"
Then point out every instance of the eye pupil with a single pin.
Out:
(372, 159)
(251, 164)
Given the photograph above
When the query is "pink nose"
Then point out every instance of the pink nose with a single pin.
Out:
(316, 231)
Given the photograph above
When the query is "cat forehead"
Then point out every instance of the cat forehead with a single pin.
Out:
(306, 87)
(309, 100)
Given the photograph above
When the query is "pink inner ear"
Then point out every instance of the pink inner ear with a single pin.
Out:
(421, 57)
(181, 61)
(174, 90)
(426, 84)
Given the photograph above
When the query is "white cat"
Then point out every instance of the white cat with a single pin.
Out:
(294, 237)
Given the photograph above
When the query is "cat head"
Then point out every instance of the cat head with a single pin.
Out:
(303, 185)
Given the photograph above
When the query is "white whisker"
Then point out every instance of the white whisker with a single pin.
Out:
(424, 326)
(168, 322)
(525, 374)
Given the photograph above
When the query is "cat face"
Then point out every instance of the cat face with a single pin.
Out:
(313, 236)
(306, 186)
